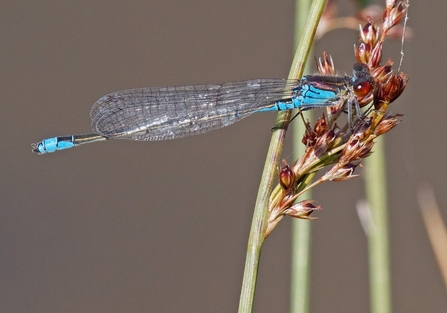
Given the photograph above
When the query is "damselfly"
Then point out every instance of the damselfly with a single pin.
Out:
(160, 113)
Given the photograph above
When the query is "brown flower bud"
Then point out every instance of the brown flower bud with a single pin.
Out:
(302, 210)
(369, 34)
(286, 177)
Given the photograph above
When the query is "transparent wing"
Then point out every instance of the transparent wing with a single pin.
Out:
(159, 113)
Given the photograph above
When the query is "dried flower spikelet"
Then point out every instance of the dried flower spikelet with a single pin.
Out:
(302, 210)
(346, 172)
(393, 14)
(321, 126)
(340, 172)
(369, 34)
(355, 149)
(324, 143)
(286, 176)
(365, 150)
(326, 66)
(350, 149)
(386, 124)
(382, 73)
(390, 90)
(309, 137)
(376, 55)
(362, 52)
(369, 50)
(320, 138)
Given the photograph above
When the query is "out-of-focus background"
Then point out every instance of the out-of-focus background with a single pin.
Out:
(124, 226)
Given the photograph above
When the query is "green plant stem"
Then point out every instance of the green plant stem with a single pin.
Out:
(378, 242)
(300, 266)
(301, 229)
(260, 217)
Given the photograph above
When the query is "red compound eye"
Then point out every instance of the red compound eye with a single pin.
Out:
(363, 88)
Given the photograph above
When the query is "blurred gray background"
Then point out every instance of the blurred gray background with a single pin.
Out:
(126, 226)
